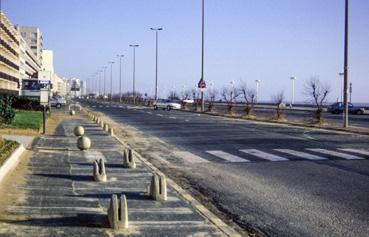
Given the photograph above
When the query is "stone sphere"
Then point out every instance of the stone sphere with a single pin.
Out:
(72, 112)
(83, 143)
(79, 131)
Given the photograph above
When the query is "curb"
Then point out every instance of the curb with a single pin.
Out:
(11, 162)
(222, 226)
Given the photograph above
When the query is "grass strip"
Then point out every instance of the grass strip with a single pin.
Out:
(7, 149)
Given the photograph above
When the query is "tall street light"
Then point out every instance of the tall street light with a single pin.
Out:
(104, 68)
(341, 74)
(156, 64)
(134, 46)
(257, 90)
(111, 79)
(99, 81)
(202, 56)
(293, 78)
(120, 56)
(345, 66)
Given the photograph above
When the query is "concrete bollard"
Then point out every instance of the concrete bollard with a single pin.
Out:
(111, 131)
(83, 143)
(118, 212)
(128, 159)
(106, 127)
(157, 189)
(72, 112)
(79, 131)
(101, 124)
(99, 172)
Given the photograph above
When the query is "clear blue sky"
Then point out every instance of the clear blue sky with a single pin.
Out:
(244, 40)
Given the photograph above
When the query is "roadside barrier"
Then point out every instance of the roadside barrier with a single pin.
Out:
(118, 212)
(157, 189)
(83, 143)
(128, 159)
(99, 172)
(72, 112)
(101, 124)
(106, 127)
(79, 131)
(111, 131)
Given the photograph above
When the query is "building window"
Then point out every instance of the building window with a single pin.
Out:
(33, 47)
(33, 41)
(34, 35)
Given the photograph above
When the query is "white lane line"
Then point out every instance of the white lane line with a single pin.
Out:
(107, 106)
(263, 155)
(358, 151)
(120, 106)
(187, 120)
(171, 117)
(300, 154)
(336, 153)
(227, 156)
(160, 115)
(189, 157)
(100, 106)
(149, 112)
(94, 106)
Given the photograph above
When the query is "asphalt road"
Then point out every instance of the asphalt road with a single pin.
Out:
(278, 179)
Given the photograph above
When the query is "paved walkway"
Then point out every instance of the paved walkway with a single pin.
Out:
(61, 198)
(24, 140)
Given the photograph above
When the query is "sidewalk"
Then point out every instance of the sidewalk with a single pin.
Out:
(21, 139)
(60, 198)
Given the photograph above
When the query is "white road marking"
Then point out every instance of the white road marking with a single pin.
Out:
(94, 106)
(149, 112)
(171, 117)
(300, 154)
(120, 106)
(187, 120)
(358, 151)
(263, 155)
(189, 157)
(160, 115)
(227, 156)
(336, 153)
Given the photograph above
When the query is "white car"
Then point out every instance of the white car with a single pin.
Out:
(166, 104)
(57, 101)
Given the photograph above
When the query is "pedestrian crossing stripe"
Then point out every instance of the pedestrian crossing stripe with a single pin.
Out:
(189, 157)
(301, 154)
(357, 151)
(263, 155)
(335, 153)
(226, 156)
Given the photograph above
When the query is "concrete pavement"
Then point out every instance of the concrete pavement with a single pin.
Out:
(60, 198)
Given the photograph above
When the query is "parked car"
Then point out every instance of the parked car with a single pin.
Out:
(337, 108)
(166, 104)
(57, 101)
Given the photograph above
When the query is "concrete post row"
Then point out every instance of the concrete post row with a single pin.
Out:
(128, 159)
(106, 127)
(111, 131)
(99, 172)
(118, 212)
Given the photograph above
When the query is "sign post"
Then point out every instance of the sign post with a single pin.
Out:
(202, 86)
(44, 101)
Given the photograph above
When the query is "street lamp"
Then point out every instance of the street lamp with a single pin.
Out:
(104, 68)
(120, 56)
(345, 66)
(111, 79)
(341, 74)
(202, 55)
(156, 64)
(293, 90)
(99, 71)
(134, 46)
(257, 90)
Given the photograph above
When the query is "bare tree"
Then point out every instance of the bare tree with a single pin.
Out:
(249, 95)
(278, 100)
(230, 94)
(318, 93)
(211, 95)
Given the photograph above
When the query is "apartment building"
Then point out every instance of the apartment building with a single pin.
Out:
(29, 65)
(9, 56)
(33, 37)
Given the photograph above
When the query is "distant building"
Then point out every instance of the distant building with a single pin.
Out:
(29, 65)
(9, 57)
(48, 60)
(76, 87)
(33, 37)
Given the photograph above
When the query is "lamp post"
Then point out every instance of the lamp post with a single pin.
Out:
(99, 81)
(120, 56)
(293, 78)
(345, 66)
(111, 79)
(156, 64)
(341, 74)
(104, 68)
(257, 90)
(202, 55)
(134, 46)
